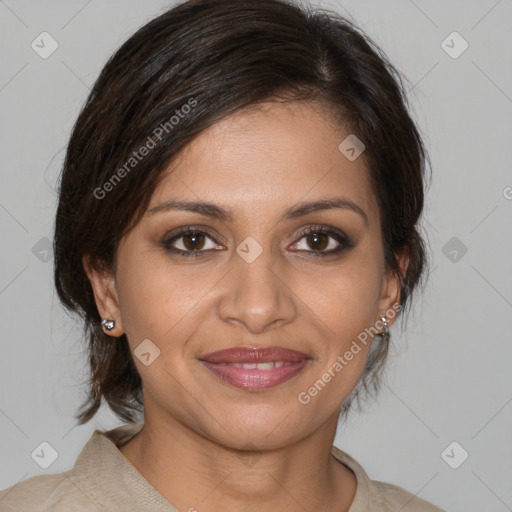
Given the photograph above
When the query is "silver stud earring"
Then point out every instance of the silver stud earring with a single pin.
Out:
(384, 321)
(107, 324)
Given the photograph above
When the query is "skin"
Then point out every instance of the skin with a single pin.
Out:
(257, 163)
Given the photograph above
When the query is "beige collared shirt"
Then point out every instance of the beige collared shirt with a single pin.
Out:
(103, 480)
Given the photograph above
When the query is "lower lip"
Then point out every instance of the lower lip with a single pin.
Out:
(255, 379)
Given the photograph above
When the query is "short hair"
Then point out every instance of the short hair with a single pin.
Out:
(218, 57)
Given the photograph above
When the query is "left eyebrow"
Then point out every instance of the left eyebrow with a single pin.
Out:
(302, 209)
(227, 215)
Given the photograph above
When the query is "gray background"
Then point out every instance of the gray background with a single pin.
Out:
(449, 376)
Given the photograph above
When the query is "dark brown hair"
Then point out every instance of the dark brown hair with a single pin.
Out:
(220, 56)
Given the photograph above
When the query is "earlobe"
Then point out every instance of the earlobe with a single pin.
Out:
(105, 295)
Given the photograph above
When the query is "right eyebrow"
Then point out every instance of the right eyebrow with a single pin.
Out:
(203, 208)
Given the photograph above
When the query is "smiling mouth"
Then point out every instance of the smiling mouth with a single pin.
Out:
(260, 366)
(256, 368)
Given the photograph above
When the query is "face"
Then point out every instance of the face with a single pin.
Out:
(255, 269)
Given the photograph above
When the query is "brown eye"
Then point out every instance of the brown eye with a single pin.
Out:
(190, 242)
(194, 240)
(323, 242)
(318, 241)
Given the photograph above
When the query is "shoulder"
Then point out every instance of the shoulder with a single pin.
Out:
(44, 493)
(376, 496)
(387, 498)
(96, 482)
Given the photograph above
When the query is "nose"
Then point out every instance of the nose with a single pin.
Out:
(257, 295)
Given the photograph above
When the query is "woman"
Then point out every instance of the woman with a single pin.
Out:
(238, 228)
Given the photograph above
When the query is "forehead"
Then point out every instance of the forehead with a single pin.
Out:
(271, 155)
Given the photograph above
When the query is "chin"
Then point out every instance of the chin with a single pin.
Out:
(263, 431)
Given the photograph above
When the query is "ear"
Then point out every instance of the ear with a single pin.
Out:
(391, 287)
(105, 295)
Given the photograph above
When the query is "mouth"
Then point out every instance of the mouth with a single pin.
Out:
(255, 368)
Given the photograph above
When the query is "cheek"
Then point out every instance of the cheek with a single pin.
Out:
(343, 306)
(344, 298)
(157, 299)
(144, 294)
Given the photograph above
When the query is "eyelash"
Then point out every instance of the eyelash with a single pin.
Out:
(339, 236)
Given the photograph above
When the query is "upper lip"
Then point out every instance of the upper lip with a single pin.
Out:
(255, 355)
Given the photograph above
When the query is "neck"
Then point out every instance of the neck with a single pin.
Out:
(195, 473)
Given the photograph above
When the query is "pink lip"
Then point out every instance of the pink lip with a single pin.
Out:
(255, 355)
(222, 362)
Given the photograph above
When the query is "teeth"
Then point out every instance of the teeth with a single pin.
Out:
(265, 366)
(260, 366)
